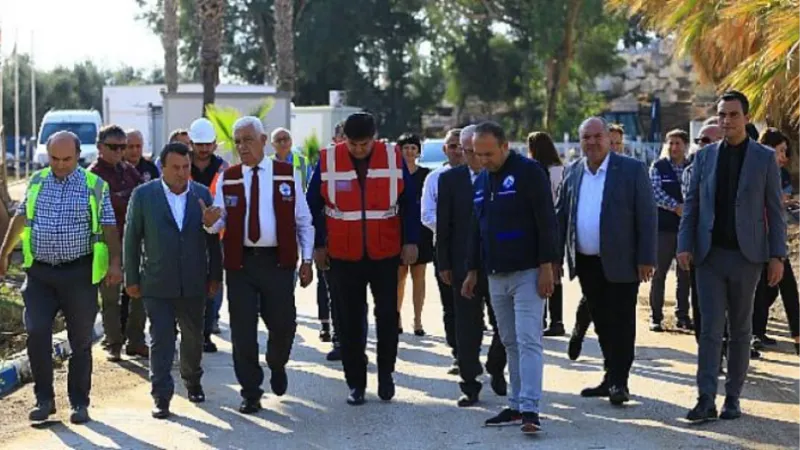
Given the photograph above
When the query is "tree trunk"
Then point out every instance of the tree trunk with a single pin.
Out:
(558, 68)
(284, 44)
(170, 42)
(210, 14)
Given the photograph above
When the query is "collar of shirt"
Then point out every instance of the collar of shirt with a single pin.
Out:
(75, 176)
(263, 166)
(603, 166)
(736, 148)
(169, 192)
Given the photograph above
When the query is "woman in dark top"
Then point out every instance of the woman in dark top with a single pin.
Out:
(411, 146)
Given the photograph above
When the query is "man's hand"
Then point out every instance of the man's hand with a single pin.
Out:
(679, 210)
(645, 273)
(468, 288)
(114, 275)
(446, 276)
(306, 274)
(321, 258)
(211, 214)
(546, 282)
(409, 254)
(212, 287)
(133, 291)
(684, 260)
(774, 272)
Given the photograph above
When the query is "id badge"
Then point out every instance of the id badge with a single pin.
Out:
(231, 201)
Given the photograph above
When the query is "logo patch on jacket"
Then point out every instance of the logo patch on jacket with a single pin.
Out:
(231, 201)
(344, 185)
(508, 183)
(285, 189)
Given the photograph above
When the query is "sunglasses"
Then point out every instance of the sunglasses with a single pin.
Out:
(703, 140)
(115, 147)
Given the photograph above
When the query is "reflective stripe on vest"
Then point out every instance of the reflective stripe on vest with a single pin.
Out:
(97, 188)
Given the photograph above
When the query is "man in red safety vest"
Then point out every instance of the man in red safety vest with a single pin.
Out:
(366, 219)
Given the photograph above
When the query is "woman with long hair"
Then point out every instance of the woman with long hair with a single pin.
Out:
(542, 149)
(411, 147)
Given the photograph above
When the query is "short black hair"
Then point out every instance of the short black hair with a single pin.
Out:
(173, 147)
(75, 139)
(359, 126)
(409, 138)
(111, 131)
(338, 129)
(492, 128)
(752, 131)
(773, 137)
(730, 96)
(173, 137)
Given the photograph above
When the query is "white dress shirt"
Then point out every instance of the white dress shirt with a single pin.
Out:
(177, 204)
(266, 211)
(430, 195)
(590, 205)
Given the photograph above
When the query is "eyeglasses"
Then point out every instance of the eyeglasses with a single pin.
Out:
(115, 147)
(282, 139)
(705, 140)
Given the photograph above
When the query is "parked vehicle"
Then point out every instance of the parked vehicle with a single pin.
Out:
(84, 123)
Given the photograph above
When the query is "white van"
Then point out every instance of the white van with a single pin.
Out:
(84, 123)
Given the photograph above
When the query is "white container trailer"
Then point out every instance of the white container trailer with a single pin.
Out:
(317, 120)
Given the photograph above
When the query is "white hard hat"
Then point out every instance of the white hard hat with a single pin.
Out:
(202, 132)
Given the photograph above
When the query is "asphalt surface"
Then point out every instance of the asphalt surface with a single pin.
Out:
(314, 415)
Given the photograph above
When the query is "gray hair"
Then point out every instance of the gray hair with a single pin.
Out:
(131, 131)
(590, 119)
(466, 133)
(279, 130)
(249, 121)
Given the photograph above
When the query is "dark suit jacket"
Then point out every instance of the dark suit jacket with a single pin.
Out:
(164, 261)
(454, 220)
(760, 225)
(627, 221)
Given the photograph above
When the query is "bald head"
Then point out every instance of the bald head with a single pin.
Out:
(133, 151)
(595, 141)
(63, 149)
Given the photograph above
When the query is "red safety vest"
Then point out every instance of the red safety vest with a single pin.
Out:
(283, 200)
(347, 208)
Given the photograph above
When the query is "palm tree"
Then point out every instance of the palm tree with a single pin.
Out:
(284, 44)
(751, 46)
(170, 42)
(210, 14)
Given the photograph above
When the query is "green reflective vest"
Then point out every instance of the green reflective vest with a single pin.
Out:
(97, 187)
(300, 164)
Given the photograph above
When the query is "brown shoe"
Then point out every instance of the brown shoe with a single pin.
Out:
(138, 350)
(113, 354)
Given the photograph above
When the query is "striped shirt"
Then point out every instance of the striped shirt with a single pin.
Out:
(62, 222)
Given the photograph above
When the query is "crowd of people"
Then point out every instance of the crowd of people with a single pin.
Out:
(157, 241)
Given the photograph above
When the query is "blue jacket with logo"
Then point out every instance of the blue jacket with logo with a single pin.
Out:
(514, 220)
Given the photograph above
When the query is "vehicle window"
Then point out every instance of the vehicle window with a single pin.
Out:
(87, 132)
(432, 152)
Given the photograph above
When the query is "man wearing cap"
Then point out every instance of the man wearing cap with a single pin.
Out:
(206, 169)
(366, 218)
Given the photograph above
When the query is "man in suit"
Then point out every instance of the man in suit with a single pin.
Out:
(184, 266)
(453, 228)
(607, 222)
(732, 225)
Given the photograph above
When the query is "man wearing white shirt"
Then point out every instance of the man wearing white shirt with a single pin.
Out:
(430, 193)
(260, 205)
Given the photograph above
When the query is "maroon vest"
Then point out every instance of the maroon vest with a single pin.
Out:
(283, 200)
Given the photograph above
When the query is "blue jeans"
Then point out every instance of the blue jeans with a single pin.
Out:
(519, 312)
(211, 316)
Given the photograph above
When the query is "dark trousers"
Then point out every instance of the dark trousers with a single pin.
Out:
(67, 288)
(667, 244)
(613, 308)
(163, 313)
(583, 317)
(555, 304)
(329, 289)
(469, 336)
(766, 296)
(698, 323)
(260, 288)
(349, 283)
(211, 315)
(448, 309)
(323, 299)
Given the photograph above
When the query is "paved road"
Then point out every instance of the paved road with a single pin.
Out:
(313, 415)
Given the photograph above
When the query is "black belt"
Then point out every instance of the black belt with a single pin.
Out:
(86, 259)
(261, 250)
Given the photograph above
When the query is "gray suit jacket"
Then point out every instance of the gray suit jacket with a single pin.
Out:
(628, 233)
(164, 261)
(760, 224)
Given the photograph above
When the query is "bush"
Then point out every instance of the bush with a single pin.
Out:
(311, 148)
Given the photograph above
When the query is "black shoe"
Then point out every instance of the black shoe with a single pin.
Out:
(499, 384)
(399, 330)
(79, 415)
(114, 353)
(161, 410)
(685, 324)
(196, 394)
(324, 335)
(419, 332)
(385, 386)
(279, 381)
(731, 409)
(356, 397)
(618, 395)
(506, 417)
(530, 423)
(42, 411)
(215, 329)
(556, 329)
(575, 345)
(766, 340)
(754, 354)
(208, 346)
(465, 401)
(601, 390)
(335, 354)
(757, 343)
(454, 370)
(796, 348)
(704, 411)
(250, 406)
(656, 327)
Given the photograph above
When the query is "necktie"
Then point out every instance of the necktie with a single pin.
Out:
(253, 225)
